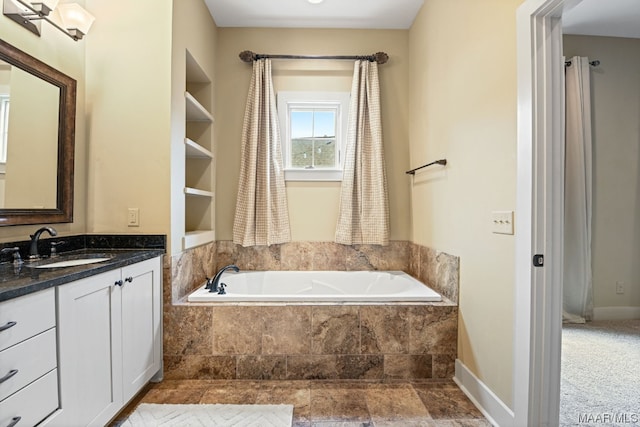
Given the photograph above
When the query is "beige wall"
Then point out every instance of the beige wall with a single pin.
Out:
(463, 108)
(313, 207)
(615, 85)
(67, 56)
(128, 108)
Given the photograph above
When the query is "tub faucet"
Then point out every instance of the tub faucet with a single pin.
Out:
(214, 284)
(33, 248)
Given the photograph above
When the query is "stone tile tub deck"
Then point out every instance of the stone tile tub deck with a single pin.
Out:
(275, 341)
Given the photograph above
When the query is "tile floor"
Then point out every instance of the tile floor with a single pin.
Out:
(331, 403)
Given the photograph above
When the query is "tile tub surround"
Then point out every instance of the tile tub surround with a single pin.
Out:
(296, 342)
(187, 271)
(438, 270)
(310, 341)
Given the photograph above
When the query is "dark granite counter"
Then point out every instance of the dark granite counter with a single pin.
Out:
(122, 250)
(24, 279)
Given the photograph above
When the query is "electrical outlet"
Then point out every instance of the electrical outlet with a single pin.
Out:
(619, 288)
(133, 217)
(502, 222)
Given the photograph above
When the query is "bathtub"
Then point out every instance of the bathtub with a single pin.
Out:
(318, 286)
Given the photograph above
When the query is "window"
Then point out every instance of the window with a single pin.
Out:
(313, 127)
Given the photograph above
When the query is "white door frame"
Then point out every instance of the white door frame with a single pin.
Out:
(539, 204)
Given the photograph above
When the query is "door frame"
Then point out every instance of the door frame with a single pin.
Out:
(539, 204)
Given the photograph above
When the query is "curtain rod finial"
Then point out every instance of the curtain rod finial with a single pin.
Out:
(381, 57)
(247, 56)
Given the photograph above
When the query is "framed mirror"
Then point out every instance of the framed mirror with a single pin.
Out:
(37, 140)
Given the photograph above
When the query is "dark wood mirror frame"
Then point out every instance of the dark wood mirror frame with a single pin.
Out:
(66, 140)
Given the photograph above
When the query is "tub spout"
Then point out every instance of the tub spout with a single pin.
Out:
(214, 284)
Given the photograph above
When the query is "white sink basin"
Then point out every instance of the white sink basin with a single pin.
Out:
(72, 262)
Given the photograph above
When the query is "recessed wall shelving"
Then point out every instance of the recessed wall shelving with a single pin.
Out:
(197, 192)
(195, 150)
(199, 157)
(195, 111)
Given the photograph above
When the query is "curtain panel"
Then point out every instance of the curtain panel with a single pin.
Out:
(261, 216)
(364, 208)
(577, 283)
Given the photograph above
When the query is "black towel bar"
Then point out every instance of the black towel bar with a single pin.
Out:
(442, 162)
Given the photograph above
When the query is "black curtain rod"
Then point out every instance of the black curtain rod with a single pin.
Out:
(379, 57)
(442, 162)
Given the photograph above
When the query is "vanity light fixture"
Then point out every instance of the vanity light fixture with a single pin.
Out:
(44, 7)
(315, 1)
(76, 21)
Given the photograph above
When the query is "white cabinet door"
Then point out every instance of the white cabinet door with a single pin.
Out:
(90, 365)
(141, 333)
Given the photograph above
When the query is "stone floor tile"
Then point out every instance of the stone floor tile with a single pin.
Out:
(406, 423)
(242, 395)
(339, 405)
(339, 384)
(330, 403)
(462, 423)
(341, 424)
(183, 384)
(395, 404)
(447, 403)
(174, 396)
(291, 393)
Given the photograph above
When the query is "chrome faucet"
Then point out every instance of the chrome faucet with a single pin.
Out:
(33, 247)
(214, 284)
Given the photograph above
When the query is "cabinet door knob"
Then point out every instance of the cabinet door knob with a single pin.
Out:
(10, 374)
(10, 324)
(14, 421)
(129, 279)
(118, 283)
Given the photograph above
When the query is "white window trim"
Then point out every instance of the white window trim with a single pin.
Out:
(313, 99)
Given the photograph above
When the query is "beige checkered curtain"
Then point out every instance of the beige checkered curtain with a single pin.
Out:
(262, 216)
(364, 208)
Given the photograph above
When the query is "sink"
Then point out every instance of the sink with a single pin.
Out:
(72, 261)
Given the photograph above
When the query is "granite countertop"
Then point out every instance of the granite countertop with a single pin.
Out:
(21, 280)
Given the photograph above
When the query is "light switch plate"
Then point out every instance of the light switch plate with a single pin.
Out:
(133, 217)
(502, 222)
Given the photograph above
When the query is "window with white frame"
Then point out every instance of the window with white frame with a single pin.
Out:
(313, 127)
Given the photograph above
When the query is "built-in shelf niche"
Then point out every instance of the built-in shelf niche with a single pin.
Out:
(199, 157)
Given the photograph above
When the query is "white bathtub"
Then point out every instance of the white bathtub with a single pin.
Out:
(318, 286)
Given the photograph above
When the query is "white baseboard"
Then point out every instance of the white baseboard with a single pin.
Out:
(616, 313)
(487, 402)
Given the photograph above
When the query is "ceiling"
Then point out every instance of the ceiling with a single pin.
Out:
(614, 18)
(373, 14)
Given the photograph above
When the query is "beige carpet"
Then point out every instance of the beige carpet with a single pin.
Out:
(600, 374)
(155, 415)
